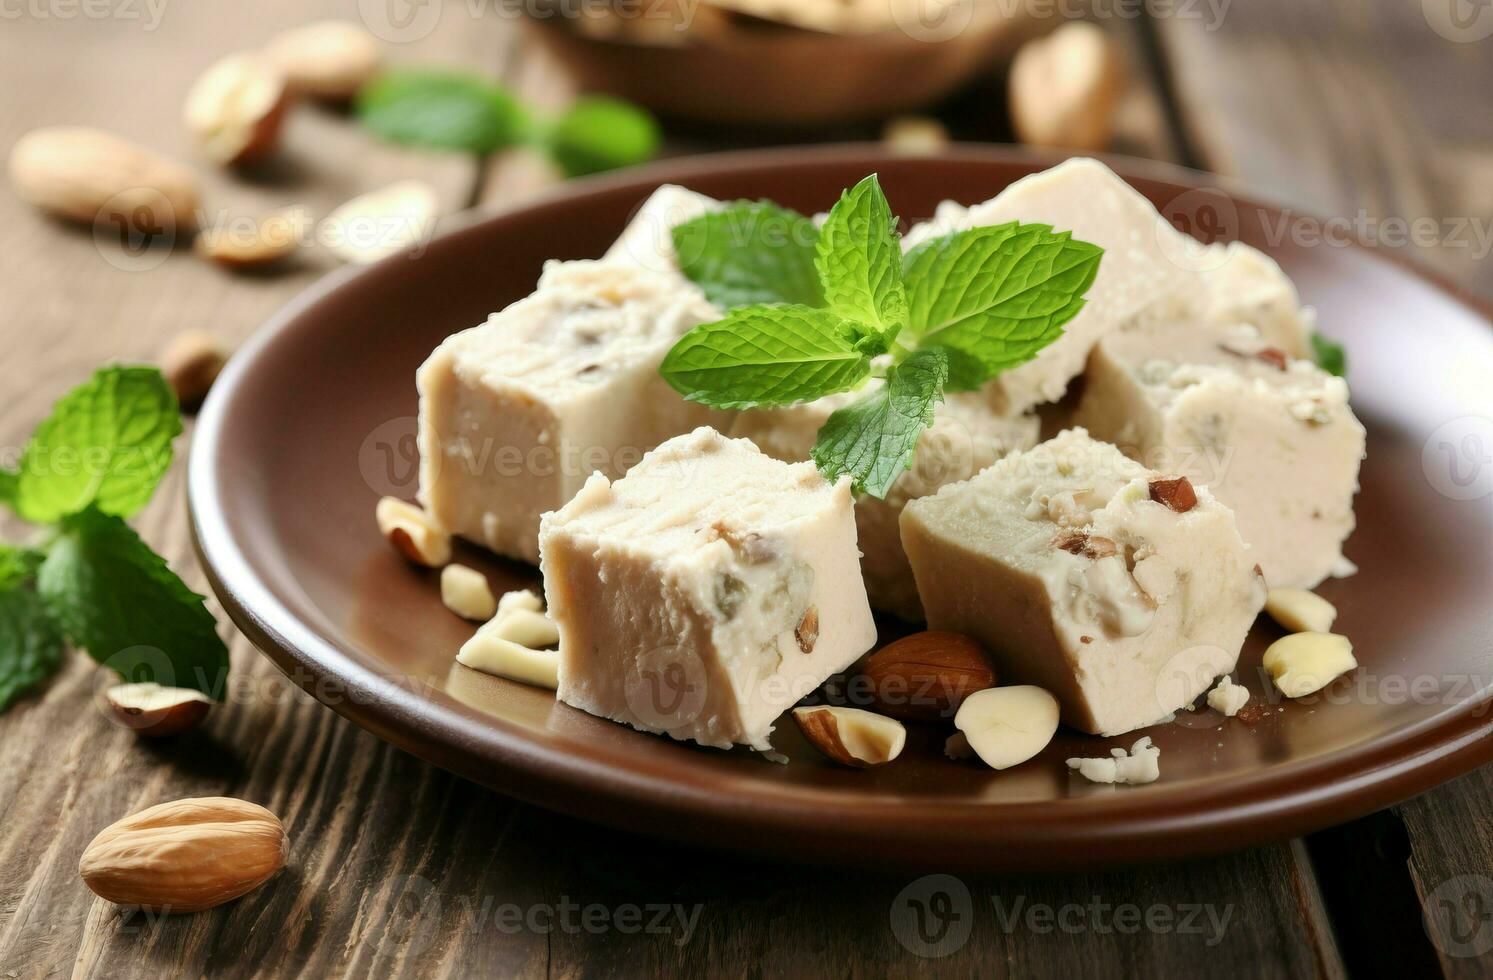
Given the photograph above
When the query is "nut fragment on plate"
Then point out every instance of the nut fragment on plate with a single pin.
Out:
(190, 363)
(186, 855)
(1006, 726)
(465, 592)
(326, 59)
(1176, 494)
(254, 243)
(512, 644)
(1064, 88)
(1300, 610)
(1140, 765)
(411, 531)
(851, 736)
(1228, 698)
(91, 176)
(154, 711)
(1304, 663)
(380, 223)
(915, 134)
(927, 676)
(234, 108)
(956, 747)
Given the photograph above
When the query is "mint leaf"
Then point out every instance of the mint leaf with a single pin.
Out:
(859, 258)
(1331, 356)
(441, 110)
(751, 253)
(8, 480)
(599, 133)
(766, 355)
(116, 598)
(874, 438)
(31, 647)
(107, 443)
(998, 294)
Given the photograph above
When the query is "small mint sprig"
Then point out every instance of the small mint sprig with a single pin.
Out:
(949, 316)
(96, 460)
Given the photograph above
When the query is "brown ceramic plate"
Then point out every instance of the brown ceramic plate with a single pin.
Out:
(314, 420)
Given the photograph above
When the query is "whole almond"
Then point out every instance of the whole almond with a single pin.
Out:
(186, 855)
(326, 59)
(88, 175)
(926, 676)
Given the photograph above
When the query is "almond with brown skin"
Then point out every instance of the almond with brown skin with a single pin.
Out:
(154, 711)
(1176, 494)
(186, 855)
(850, 736)
(1088, 545)
(926, 676)
(807, 630)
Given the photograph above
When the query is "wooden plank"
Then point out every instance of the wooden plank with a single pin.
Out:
(1363, 109)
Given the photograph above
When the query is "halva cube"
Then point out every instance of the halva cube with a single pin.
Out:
(1121, 591)
(967, 435)
(1272, 436)
(706, 592)
(515, 414)
(648, 240)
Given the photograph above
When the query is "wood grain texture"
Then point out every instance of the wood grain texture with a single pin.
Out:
(398, 868)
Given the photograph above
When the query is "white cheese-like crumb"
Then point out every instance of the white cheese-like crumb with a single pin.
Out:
(1140, 765)
(1228, 697)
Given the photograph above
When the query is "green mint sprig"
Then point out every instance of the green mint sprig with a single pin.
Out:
(1330, 355)
(96, 460)
(949, 316)
(443, 109)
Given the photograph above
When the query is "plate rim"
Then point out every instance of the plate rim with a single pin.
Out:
(1125, 828)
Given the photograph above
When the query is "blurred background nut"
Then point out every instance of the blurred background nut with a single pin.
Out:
(254, 243)
(327, 59)
(191, 363)
(1064, 89)
(915, 134)
(235, 107)
(88, 175)
(378, 224)
(154, 711)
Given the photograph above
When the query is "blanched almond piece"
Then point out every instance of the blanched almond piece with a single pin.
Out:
(89, 176)
(915, 134)
(380, 223)
(1008, 725)
(154, 711)
(1304, 663)
(186, 855)
(465, 592)
(326, 59)
(410, 530)
(521, 599)
(271, 239)
(234, 108)
(1228, 698)
(526, 627)
(1064, 88)
(1300, 611)
(491, 654)
(850, 736)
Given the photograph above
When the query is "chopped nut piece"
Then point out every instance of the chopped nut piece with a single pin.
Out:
(1087, 545)
(521, 599)
(1300, 610)
(850, 736)
(1176, 494)
(1275, 357)
(490, 653)
(465, 592)
(956, 747)
(411, 531)
(1304, 663)
(1227, 698)
(807, 631)
(1006, 726)
(154, 711)
(1139, 765)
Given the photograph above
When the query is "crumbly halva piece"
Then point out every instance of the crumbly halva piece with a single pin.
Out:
(515, 414)
(706, 592)
(1146, 263)
(967, 435)
(648, 241)
(1119, 590)
(1271, 436)
(1142, 764)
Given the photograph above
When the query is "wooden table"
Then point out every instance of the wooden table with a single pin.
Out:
(399, 868)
